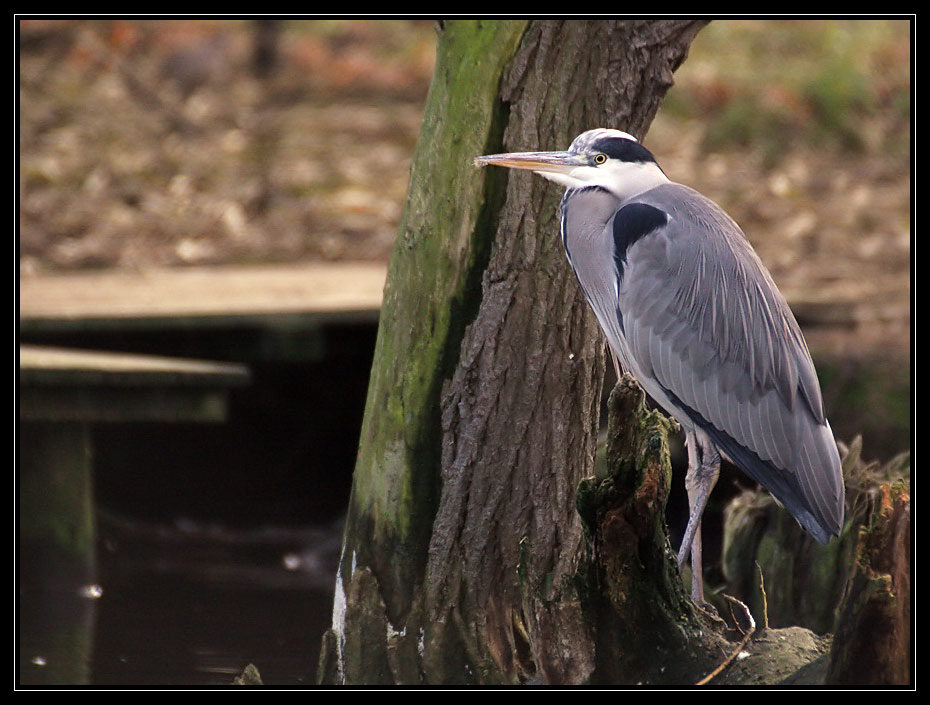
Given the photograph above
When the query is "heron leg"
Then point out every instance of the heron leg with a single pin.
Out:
(703, 470)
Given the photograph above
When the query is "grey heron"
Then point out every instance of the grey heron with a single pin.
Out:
(691, 312)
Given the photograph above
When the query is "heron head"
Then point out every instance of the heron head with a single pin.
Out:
(607, 158)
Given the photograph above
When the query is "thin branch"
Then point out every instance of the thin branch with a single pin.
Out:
(765, 603)
(752, 628)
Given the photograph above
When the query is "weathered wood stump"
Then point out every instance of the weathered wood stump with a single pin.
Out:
(857, 587)
(645, 628)
(872, 643)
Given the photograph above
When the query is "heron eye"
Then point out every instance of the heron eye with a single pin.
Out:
(600, 158)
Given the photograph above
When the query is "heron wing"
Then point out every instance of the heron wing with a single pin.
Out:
(708, 330)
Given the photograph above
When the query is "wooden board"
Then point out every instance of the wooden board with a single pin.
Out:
(310, 289)
(40, 366)
(82, 385)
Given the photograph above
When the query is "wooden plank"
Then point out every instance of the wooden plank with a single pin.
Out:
(45, 366)
(205, 293)
(849, 303)
(79, 385)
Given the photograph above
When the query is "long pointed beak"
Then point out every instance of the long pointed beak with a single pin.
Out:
(550, 162)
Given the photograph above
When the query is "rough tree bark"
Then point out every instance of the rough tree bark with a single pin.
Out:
(464, 557)
(872, 645)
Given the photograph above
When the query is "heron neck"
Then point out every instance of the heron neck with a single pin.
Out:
(635, 179)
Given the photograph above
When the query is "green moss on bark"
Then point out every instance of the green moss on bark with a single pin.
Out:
(440, 251)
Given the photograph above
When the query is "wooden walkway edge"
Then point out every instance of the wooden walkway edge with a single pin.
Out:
(201, 295)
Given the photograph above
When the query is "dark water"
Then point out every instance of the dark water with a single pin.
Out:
(186, 605)
(217, 543)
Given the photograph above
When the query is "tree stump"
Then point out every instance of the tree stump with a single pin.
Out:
(857, 587)
(644, 627)
(872, 644)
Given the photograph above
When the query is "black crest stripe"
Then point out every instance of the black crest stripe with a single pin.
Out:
(623, 149)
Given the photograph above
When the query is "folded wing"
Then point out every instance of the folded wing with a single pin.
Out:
(710, 332)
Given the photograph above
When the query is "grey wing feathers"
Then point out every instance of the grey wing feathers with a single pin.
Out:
(701, 315)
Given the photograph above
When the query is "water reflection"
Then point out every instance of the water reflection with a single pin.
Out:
(56, 630)
(186, 604)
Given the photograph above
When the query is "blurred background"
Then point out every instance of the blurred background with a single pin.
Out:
(228, 191)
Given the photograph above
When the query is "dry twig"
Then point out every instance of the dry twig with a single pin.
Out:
(745, 640)
(765, 603)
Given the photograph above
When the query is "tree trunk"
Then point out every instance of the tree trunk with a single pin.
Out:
(464, 558)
